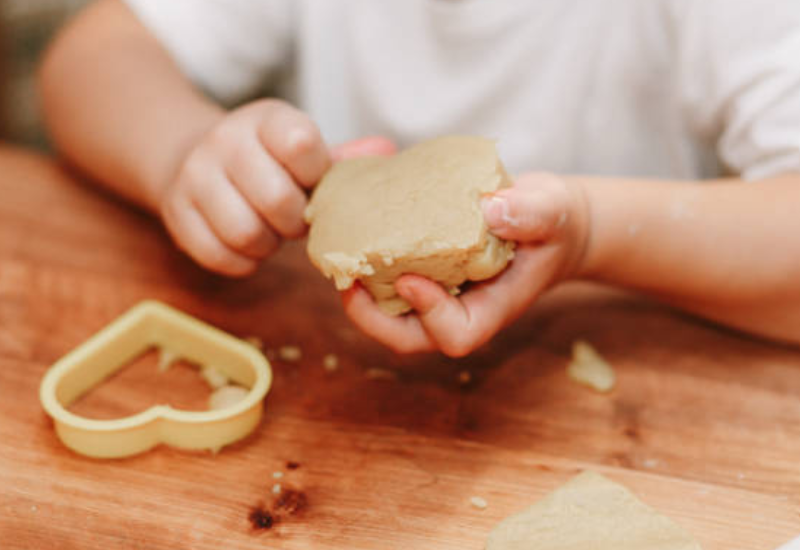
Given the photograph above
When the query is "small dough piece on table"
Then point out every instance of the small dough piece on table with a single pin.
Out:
(590, 512)
(226, 396)
(375, 219)
(590, 369)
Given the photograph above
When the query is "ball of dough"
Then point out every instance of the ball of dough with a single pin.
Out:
(374, 219)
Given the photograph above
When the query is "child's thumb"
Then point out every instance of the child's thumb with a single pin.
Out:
(517, 214)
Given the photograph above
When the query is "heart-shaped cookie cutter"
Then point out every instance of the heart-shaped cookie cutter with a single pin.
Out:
(147, 325)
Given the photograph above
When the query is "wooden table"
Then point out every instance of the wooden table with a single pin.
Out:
(704, 424)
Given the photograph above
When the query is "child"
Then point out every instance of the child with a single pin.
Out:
(635, 93)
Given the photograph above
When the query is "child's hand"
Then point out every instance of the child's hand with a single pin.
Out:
(241, 189)
(546, 215)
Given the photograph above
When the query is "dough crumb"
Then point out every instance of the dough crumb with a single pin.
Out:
(165, 359)
(214, 377)
(330, 362)
(276, 489)
(651, 463)
(277, 475)
(226, 396)
(464, 377)
(380, 374)
(290, 354)
(590, 369)
(479, 503)
(254, 341)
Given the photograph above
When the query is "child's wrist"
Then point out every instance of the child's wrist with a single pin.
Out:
(579, 230)
(613, 224)
(177, 153)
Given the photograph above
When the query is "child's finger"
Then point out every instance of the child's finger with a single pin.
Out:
(533, 210)
(448, 323)
(232, 218)
(295, 141)
(269, 189)
(194, 236)
(373, 146)
(402, 334)
(458, 326)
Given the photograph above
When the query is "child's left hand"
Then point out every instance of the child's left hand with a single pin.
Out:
(548, 217)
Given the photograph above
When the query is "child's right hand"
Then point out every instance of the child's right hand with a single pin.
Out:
(241, 188)
(548, 217)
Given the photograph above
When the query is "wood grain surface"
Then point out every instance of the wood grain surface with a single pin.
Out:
(704, 424)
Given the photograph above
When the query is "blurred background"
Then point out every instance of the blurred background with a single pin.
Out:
(26, 26)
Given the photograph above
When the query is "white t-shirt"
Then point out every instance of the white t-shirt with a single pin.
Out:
(662, 88)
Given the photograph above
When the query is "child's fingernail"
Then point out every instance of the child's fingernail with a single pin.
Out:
(495, 211)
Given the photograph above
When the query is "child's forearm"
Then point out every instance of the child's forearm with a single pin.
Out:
(727, 250)
(117, 107)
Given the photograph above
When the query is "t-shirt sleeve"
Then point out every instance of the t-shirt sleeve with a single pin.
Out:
(740, 79)
(229, 48)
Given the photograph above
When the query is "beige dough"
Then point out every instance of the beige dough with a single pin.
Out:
(590, 513)
(590, 369)
(374, 219)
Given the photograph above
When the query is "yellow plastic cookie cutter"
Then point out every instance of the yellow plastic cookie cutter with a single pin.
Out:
(147, 325)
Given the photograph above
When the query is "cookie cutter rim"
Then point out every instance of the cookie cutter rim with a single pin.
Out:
(158, 424)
